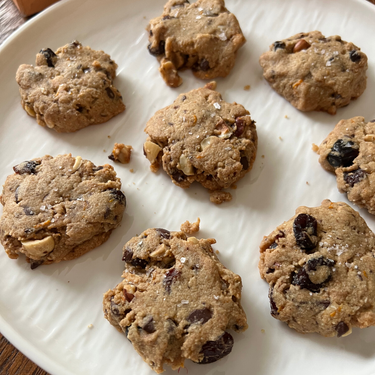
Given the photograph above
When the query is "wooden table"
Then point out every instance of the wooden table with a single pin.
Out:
(13, 362)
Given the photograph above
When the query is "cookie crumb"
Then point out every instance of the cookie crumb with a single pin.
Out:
(190, 228)
(263, 331)
(121, 153)
(211, 85)
(263, 156)
(286, 116)
(315, 148)
(280, 138)
(307, 183)
(234, 187)
(104, 150)
(90, 326)
(217, 251)
(154, 167)
(247, 88)
(131, 170)
(219, 196)
(108, 136)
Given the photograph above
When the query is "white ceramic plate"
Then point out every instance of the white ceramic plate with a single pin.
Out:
(45, 312)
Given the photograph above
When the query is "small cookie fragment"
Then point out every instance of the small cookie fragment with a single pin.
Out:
(349, 152)
(203, 36)
(190, 228)
(176, 300)
(315, 73)
(70, 89)
(59, 208)
(320, 267)
(219, 197)
(121, 153)
(202, 138)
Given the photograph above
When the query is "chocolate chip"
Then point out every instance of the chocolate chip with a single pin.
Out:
(111, 157)
(245, 162)
(170, 277)
(75, 43)
(354, 56)
(204, 65)
(118, 195)
(275, 244)
(95, 169)
(139, 263)
(305, 232)
(127, 255)
(167, 17)
(28, 211)
(28, 167)
(35, 263)
(149, 327)
(159, 50)
(16, 194)
(86, 70)
(324, 303)
(115, 309)
(278, 45)
(183, 97)
(343, 153)
(351, 178)
(240, 126)
(164, 233)
(313, 263)
(109, 92)
(29, 230)
(215, 350)
(48, 55)
(200, 316)
(274, 309)
(128, 296)
(341, 329)
(178, 176)
(80, 108)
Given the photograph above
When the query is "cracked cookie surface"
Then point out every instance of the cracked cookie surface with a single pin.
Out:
(202, 138)
(203, 36)
(70, 89)
(349, 152)
(177, 301)
(59, 208)
(315, 73)
(320, 266)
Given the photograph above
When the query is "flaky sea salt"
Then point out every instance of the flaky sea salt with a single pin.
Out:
(217, 105)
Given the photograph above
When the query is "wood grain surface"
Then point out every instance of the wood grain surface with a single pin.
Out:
(13, 362)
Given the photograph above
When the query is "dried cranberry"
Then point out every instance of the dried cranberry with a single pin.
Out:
(240, 126)
(139, 263)
(156, 51)
(128, 255)
(351, 178)
(178, 176)
(278, 45)
(164, 233)
(118, 195)
(245, 162)
(274, 309)
(128, 296)
(343, 153)
(274, 244)
(312, 264)
(28, 167)
(305, 232)
(149, 327)
(109, 92)
(200, 316)
(341, 329)
(170, 277)
(48, 55)
(354, 56)
(35, 263)
(183, 98)
(204, 65)
(215, 350)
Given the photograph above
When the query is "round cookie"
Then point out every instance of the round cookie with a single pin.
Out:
(349, 152)
(203, 36)
(315, 73)
(59, 208)
(321, 270)
(70, 89)
(202, 138)
(176, 301)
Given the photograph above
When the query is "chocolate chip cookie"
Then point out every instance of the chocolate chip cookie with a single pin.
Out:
(203, 36)
(177, 301)
(202, 138)
(70, 89)
(315, 73)
(59, 208)
(321, 270)
(349, 152)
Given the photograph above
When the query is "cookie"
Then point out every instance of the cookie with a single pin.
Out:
(315, 73)
(202, 138)
(203, 37)
(59, 208)
(121, 153)
(320, 267)
(70, 89)
(177, 301)
(349, 152)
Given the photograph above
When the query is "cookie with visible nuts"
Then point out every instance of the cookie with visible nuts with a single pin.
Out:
(315, 73)
(349, 152)
(59, 208)
(202, 138)
(320, 267)
(70, 89)
(203, 36)
(176, 300)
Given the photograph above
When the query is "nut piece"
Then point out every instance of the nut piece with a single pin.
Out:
(169, 73)
(121, 153)
(30, 111)
(300, 45)
(206, 142)
(186, 166)
(77, 163)
(211, 85)
(192, 240)
(151, 151)
(39, 248)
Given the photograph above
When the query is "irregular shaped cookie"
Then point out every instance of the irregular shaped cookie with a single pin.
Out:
(176, 301)
(203, 36)
(200, 137)
(315, 73)
(121, 153)
(349, 152)
(321, 270)
(59, 208)
(70, 89)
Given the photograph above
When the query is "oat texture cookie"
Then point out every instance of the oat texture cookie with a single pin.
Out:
(320, 267)
(349, 152)
(177, 301)
(202, 138)
(70, 89)
(59, 208)
(203, 36)
(315, 73)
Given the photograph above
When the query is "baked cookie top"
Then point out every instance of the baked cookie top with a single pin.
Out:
(321, 270)
(315, 73)
(58, 208)
(203, 36)
(200, 137)
(176, 301)
(349, 152)
(70, 89)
